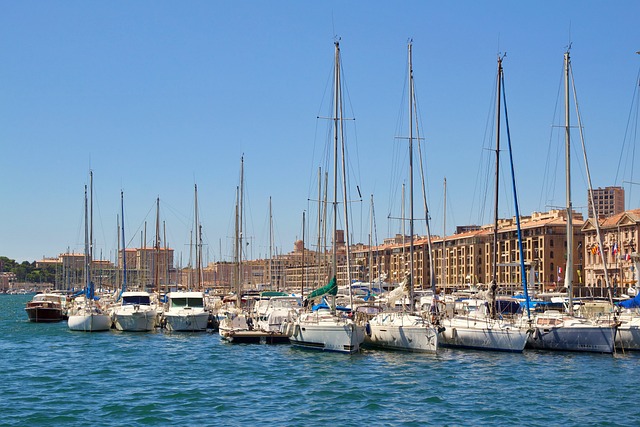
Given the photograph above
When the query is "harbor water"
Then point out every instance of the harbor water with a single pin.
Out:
(52, 376)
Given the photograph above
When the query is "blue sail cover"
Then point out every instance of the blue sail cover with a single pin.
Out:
(631, 303)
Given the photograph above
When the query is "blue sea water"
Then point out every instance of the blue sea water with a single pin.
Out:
(52, 376)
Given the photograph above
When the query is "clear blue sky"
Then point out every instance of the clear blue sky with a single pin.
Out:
(156, 96)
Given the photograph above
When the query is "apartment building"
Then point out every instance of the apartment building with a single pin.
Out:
(608, 201)
(616, 252)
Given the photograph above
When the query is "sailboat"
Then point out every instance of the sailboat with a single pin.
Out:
(185, 311)
(325, 327)
(480, 327)
(237, 324)
(404, 330)
(86, 315)
(135, 312)
(555, 330)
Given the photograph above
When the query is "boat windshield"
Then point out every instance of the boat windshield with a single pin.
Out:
(49, 298)
(187, 302)
(136, 299)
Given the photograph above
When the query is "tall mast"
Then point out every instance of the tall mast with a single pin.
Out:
(320, 248)
(371, 245)
(347, 237)
(444, 239)
(271, 245)
(156, 269)
(91, 215)
(197, 230)
(494, 277)
(124, 246)
(166, 258)
(87, 259)
(303, 265)
(411, 233)
(568, 271)
(236, 258)
(334, 256)
(240, 229)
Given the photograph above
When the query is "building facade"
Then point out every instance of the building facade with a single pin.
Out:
(617, 253)
(608, 201)
(465, 259)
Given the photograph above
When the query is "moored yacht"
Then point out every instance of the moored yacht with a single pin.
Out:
(135, 313)
(185, 311)
(47, 307)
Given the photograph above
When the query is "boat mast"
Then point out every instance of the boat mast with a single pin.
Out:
(334, 255)
(568, 272)
(344, 194)
(494, 278)
(370, 246)
(236, 258)
(411, 233)
(87, 259)
(271, 245)
(320, 248)
(523, 271)
(444, 238)
(198, 239)
(124, 246)
(156, 267)
(303, 265)
(91, 216)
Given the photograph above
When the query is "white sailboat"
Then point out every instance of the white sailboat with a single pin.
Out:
(325, 327)
(86, 314)
(554, 330)
(479, 327)
(404, 330)
(237, 325)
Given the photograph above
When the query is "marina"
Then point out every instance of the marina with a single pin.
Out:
(396, 247)
(198, 379)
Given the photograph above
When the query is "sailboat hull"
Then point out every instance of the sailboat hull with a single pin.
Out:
(566, 333)
(483, 334)
(628, 336)
(401, 331)
(326, 333)
(92, 322)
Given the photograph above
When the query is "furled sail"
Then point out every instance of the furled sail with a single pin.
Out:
(330, 288)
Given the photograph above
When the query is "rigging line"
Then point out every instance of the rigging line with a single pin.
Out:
(586, 165)
(523, 272)
(632, 122)
(547, 184)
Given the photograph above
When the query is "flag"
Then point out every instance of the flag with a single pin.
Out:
(627, 257)
(615, 248)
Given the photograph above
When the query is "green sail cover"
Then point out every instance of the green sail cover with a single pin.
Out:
(274, 294)
(331, 288)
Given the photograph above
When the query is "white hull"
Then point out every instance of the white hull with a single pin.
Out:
(136, 321)
(186, 321)
(401, 331)
(566, 333)
(326, 332)
(483, 334)
(92, 322)
(628, 336)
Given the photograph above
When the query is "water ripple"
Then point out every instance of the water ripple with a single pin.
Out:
(52, 376)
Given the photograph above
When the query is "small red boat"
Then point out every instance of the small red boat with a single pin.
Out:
(47, 307)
